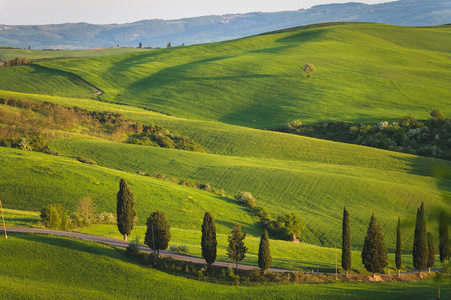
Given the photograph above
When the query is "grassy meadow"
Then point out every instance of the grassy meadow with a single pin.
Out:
(221, 96)
(56, 267)
(365, 73)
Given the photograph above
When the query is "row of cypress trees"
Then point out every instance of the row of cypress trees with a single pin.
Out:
(375, 255)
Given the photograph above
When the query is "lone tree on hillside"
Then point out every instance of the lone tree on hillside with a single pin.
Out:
(125, 209)
(169, 45)
(443, 238)
(346, 261)
(209, 240)
(308, 68)
(420, 241)
(374, 253)
(140, 45)
(158, 232)
(431, 252)
(264, 253)
(237, 250)
(398, 254)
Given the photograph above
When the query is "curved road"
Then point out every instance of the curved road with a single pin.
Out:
(179, 256)
(124, 244)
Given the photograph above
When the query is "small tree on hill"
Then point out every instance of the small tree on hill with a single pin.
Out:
(158, 232)
(308, 68)
(346, 261)
(125, 209)
(237, 250)
(287, 227)
(246, 199)
(209, 242)
(264, 253)
(374, 253)
(443, 238)
(420, 241)
(169, 45)
(398, 255)
(431, 252)
(140, 45)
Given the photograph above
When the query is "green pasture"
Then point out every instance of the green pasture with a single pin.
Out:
(32, 180)
(315, 191)
(11, 53)
(365, 73)
(34, 78)
(43, 267)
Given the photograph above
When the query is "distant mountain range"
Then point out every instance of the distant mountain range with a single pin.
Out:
(158, 33)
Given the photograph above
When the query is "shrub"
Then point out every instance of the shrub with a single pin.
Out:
(246, 199)
(179, 249)
(133, 249)
(54, 216)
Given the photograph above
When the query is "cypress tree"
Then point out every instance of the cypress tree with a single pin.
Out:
(125, 209)
(431, 252)
(443, 238)
(158, 232)
(374, 253)
(346, 261)
(264, 253)
(398, 254)
(209, 239)
(420, 241)
(237, 250)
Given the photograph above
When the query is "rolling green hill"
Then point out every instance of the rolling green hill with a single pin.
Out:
(365, 73)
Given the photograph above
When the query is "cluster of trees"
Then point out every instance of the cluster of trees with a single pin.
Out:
(30, 131)
(430, 137)
(285, 227)
(18, 61)
(55, 216)
(375, 255)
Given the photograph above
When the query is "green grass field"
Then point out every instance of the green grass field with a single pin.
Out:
(219, 95)
(365, 73)
(43, 267)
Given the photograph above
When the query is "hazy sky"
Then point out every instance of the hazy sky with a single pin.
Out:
(34, 12)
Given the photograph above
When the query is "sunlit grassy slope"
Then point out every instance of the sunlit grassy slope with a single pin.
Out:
(315, 191)
(365, 72)
(32, 180)
(42, 267)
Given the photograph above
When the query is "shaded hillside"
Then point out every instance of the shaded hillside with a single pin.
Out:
(157, 33)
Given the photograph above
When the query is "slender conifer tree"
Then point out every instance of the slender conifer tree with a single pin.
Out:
(158, 232)
(420, 241)
(374, 253)
(398, 255)
(209, 242)
(346, 261)
(264, 253)
(444, 243)
(125, 209)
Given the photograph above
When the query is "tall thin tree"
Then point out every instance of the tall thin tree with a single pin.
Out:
(444, 243)
(420, 241)
(346, 259)
(158, 232)
(125, 209)
(398, 255)
(431, 252)
(374, 253)
(237, 250)
(264, 253)
(209, 242)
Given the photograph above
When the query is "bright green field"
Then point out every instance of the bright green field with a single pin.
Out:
(364, 73)
(42, 54)
(43, 267)
(315, 191)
